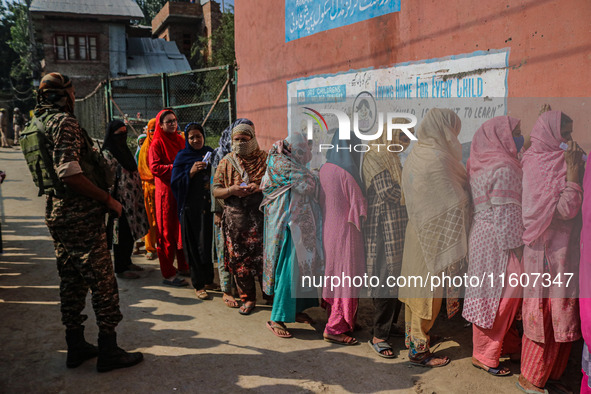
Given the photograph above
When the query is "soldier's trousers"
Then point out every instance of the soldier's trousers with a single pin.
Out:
(83, 263)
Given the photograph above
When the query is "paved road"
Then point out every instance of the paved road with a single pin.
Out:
(192, 345)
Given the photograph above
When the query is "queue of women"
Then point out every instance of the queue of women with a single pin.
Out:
(267, 218)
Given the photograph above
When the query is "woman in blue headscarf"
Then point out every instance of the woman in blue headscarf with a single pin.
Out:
(190, 186)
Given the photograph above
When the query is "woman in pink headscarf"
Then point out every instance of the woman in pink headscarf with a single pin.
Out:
(495, 244)
(584, 282)
(552, 198)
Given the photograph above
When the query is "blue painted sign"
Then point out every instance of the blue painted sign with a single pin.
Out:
(307, 17)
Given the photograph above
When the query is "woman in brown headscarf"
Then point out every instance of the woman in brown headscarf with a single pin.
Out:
(237, 181)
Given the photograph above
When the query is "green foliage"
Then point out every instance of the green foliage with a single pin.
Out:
(20, 43)
(8, 55)
(150, 8)
(222, 40)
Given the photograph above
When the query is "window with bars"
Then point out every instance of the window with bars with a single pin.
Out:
(76, 47)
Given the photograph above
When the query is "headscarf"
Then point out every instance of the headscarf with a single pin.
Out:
(287, 171)
(349, 161)
(181, 168)
(435, 187)
(246, 157)
(171, 143)
(117, 145)
(53, 94)
(545, 169)
(493, 148)
(139, 146)
(143, 166)
(225, 144)
(375, 162)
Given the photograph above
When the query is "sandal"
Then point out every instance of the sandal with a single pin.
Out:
(202, 295)
(423, 360)
(134, 267)
(175, 281)
(246, 310)
(493, 371)
(347, 340)
(380, 347)
(150, 255)
(273, 326)
(520, 387)
(230, 302)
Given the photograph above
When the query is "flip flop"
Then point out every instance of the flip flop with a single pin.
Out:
(380, 347)
(246, 310)
(176, 282)
(493, 371)
(425, 360)
(230, 303)
(272, 326)
(350, 343)
(202, 295)
(520, 387)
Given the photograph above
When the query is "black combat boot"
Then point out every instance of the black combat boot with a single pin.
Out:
(111, 356)
(78, 349)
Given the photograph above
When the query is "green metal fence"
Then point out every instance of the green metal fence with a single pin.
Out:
(206, 96)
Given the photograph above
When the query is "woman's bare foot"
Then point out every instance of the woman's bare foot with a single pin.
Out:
(304, 318)
(230, 301)
(502, 371)
(342, 339)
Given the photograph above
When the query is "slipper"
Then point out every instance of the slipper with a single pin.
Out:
(520, 387)
(135, 267)
(272, 326)
(558, 386)
(494, 371)
(350, 343)
(424, 361)
(176, 282)
(202, 295)
(246, 310)
(380, 347)
(151, 256)
(230, 303)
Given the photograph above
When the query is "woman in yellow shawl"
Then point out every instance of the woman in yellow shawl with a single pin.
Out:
(435, 188)
(149, 190)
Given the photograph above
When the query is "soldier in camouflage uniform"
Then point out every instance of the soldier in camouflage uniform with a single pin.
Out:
(76, 221)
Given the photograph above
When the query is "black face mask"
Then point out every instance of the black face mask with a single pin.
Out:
(121, 139)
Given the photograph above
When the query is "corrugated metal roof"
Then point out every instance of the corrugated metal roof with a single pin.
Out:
(154, 56)
(120, 8)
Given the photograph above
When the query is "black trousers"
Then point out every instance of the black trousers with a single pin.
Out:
(197, 235)
(386, 312)
(123, 250)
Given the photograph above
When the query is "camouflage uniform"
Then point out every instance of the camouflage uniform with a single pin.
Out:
(77, 225)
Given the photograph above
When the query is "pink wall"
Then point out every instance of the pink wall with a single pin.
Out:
(549, 41)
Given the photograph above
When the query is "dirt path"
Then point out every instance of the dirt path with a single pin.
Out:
(192, 345)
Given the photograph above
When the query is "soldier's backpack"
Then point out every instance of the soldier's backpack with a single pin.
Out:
(37, 150)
